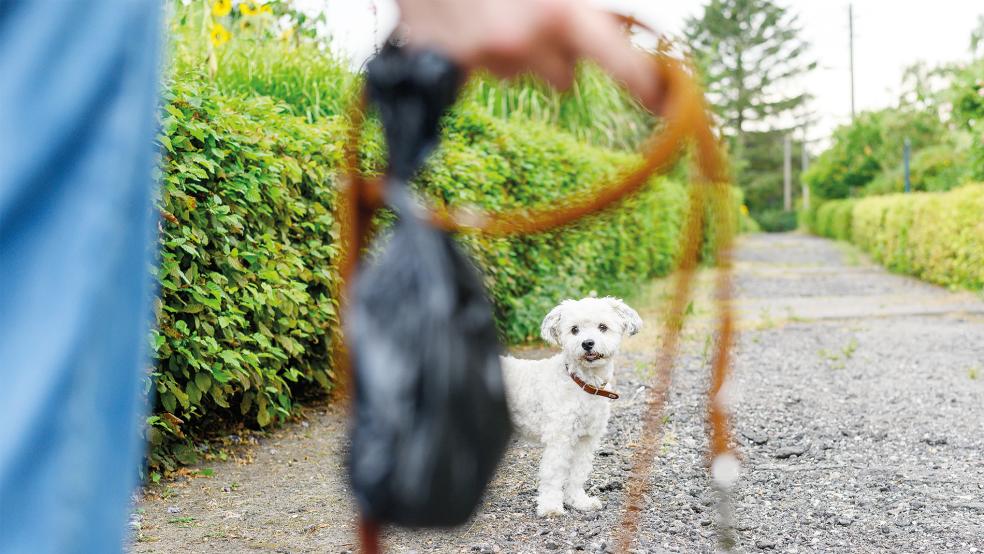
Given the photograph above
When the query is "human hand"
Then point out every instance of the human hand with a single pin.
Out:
(546, 37)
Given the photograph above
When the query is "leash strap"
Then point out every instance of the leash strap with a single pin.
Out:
(686, 122)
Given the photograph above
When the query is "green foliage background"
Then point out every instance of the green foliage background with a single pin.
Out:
(934, 235)
(943, 126)
(248, 314)
(751, 56)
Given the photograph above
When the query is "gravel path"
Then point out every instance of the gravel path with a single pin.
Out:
(859, 413)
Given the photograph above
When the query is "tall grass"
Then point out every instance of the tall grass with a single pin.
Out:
(596, 109)
(313, 82)
(305, 75)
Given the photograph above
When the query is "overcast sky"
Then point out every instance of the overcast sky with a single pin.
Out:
(889, 35)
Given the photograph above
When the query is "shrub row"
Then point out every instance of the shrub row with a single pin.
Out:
(776, 220)
(833, 219)
(938, 237)
(248, 303)
(248, 310)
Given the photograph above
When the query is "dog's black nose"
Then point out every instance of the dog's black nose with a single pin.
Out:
(587, 345)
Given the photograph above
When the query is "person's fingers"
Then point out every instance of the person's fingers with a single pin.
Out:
(596, 36)
(509, 37)
(556, 67)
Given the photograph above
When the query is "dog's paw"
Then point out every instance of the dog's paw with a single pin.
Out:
(550, 509)
(584, 503)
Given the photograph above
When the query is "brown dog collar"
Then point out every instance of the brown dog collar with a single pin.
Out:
(591, 389)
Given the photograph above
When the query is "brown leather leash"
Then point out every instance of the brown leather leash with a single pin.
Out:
(686, 123)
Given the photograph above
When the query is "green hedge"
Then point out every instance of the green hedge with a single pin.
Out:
(833, 219)
(776, 221)
(248, 287)
(938, 237)
(248, 310)
(500, 165)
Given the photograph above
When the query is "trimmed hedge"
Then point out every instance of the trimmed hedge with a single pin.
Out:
(938, 237)
(248, 311)
(833, 219)
(776, 221)
(500, 165)
(248, 302)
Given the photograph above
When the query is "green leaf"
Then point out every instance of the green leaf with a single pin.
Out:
(203, 381)
(169, 401)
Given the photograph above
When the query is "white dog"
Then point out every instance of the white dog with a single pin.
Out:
(563, 401)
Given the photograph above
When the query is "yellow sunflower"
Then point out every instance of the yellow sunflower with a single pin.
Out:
(219, 35)
(221, 8)
(248, 8)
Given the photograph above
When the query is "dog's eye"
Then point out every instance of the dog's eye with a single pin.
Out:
(574, 330)
(603, 327)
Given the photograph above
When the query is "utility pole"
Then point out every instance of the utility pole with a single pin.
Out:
(787, 174)
(906, 153)
(805, 161)
(850, 43)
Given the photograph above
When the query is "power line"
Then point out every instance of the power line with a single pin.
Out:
(787, 174)
(850, 31)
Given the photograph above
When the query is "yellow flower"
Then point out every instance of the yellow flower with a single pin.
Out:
(221, 8)
(219, 35)
(744, 209)
(248, 8)
(265, 8)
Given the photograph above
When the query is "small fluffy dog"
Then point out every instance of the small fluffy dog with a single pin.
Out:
(562, 402)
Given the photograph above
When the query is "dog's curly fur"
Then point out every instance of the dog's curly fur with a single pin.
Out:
(549, 407)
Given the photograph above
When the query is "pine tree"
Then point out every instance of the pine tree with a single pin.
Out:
(751, 57)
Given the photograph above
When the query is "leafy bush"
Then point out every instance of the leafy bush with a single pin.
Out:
(938, 237)
(866, 155)
(940, 114)
(248, 311)
(248, 286)
(933, 169)
(850, 162)
(500, 165)
(967, 97)
(806, 217)
(840, 220)
(746, 223)
(776, 221)
(833, 219)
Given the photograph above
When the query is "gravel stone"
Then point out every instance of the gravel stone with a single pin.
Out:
(861, 375)
(789, 451)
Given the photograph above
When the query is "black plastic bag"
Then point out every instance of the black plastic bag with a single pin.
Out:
(430, 419)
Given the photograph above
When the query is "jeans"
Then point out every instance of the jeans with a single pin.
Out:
(78, 95)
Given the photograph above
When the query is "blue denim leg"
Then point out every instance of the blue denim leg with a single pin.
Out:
(78, 92)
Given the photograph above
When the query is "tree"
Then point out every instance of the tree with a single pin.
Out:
(977, 39)
(750, 56)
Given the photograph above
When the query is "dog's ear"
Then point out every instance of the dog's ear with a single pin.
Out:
(550, 328)
(631, 322)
